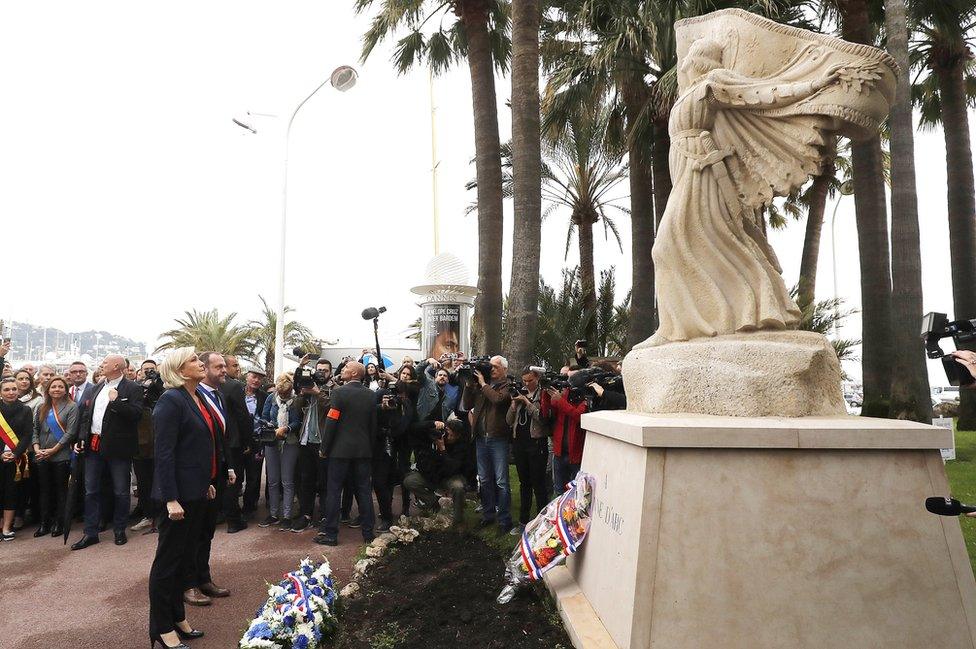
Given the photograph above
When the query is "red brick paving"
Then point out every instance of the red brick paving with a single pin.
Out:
(53, 598)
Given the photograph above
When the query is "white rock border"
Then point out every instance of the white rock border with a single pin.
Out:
(401, 533)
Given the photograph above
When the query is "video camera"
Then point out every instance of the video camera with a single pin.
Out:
(480, 364)
(306, 377)
(266, 431)
(152, 388)
(935, 327)
(516, 387)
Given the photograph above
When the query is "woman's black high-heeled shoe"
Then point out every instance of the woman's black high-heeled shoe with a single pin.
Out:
(188, 635)
(153, 639)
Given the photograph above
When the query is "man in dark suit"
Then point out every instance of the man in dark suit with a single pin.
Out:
(254, 397)
(108, 436)
(347, 443)
(199, 583)
(240, 434)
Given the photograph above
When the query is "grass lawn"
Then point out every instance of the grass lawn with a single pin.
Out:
(962, 482)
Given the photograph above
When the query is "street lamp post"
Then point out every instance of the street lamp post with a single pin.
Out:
(846, 189)
(342, 79)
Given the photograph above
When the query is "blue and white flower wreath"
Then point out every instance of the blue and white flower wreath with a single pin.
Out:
(299, 612)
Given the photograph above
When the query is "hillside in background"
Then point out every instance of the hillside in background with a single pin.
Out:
(34, 343)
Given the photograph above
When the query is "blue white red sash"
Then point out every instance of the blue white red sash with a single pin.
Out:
(213, 400)
(54, 423)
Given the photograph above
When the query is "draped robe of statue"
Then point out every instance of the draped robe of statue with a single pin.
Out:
(759, 104)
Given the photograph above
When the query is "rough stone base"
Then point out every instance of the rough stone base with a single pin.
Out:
(758, 374)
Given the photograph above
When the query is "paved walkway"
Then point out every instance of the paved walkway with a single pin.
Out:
(99, 597)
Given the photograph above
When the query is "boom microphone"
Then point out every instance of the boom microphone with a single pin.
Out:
(372, 313)
(947, 506)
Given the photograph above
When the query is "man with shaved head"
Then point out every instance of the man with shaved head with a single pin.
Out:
(347, 445)
(109, 438)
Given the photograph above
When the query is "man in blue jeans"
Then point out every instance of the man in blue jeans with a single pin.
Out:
(108, 437)
(487, 399)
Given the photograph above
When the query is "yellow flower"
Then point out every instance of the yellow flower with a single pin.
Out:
(552, 543)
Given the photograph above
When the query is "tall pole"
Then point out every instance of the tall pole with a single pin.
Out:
(434, 162)
(342, 78)
(833, 260)
(280, 316)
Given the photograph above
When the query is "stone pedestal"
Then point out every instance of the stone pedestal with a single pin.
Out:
(757, 374)
(769, 532)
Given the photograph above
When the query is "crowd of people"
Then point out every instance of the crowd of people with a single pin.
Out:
(201, 436)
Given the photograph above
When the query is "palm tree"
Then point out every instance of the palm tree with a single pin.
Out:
(910, 397)
(442, 32)
(207, 331)
(582, 171)
(523, 297)
(604, 48)
(858, 26)
(582, 168)
(560, 325)
(261, 335)
(942, 46)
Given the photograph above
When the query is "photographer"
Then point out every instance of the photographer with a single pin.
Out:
(142, 463)
(433, 399)
(391, 458)
(313, 402)
(488, 398)
(610, 396)
(582, 361)
(530, 433)
(567, 407)
(441, 459)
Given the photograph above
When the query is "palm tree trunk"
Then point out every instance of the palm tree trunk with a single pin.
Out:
(872, 239)
(642, 325)
(487, 325)
(807, 285)
(523, 296)
(962, 209)
(587, 277)
(269, 363)
(910, 396)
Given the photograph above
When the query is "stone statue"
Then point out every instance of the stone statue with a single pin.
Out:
(758, 104)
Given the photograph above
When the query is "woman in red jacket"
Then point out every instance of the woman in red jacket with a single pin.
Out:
(567, 436)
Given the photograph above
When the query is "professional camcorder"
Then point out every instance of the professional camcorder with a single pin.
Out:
(480, 364)
(935, 327)
(517, 388)
(306, 377)
(266, 431)
(152, 388)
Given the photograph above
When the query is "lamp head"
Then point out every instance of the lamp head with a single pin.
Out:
(343, 78)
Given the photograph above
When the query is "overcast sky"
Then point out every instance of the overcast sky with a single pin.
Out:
(129, 196)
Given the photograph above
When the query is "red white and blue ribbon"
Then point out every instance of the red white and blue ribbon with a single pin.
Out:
(528, 556)
(569, 543)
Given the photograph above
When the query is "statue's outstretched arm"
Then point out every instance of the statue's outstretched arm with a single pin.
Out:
(728, 89)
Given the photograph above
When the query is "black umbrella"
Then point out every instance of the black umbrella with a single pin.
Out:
(72, 496)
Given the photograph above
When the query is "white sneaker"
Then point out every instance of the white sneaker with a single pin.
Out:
(145, 523)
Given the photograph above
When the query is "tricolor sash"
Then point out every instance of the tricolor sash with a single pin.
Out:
(54, 424)
(214, 400)
(9, 437)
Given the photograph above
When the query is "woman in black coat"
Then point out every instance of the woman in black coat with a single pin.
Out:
(15, 437)
(187, 449)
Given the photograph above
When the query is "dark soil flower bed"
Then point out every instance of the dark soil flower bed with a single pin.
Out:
(440, 591)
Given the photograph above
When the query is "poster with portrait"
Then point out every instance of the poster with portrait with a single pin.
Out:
(442, 329)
